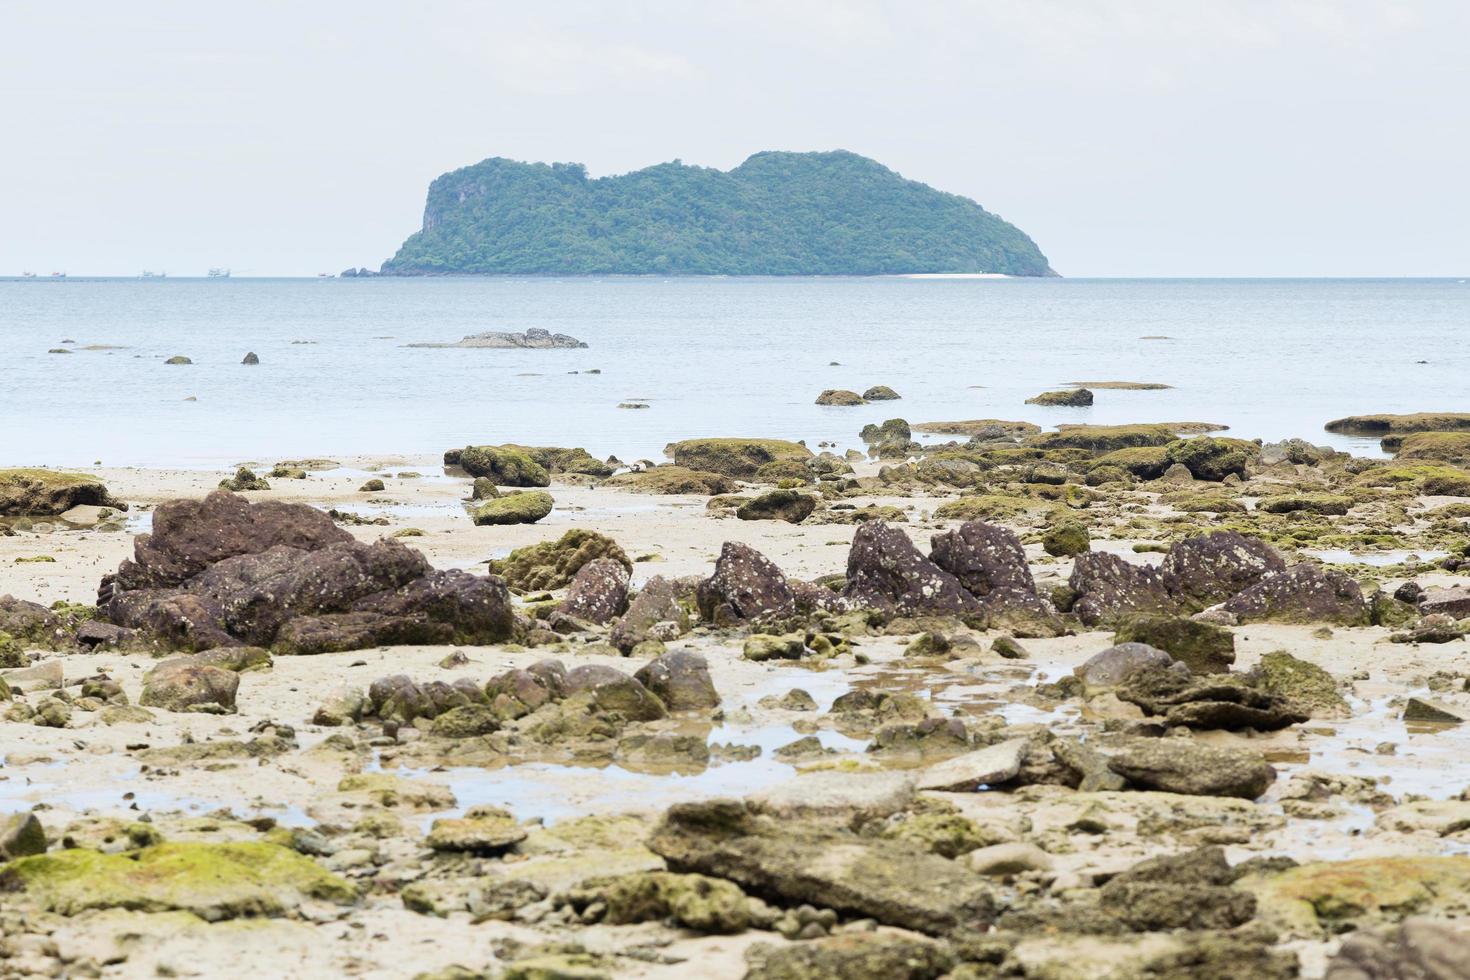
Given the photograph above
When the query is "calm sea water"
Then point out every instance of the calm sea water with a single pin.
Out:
(1269, 358)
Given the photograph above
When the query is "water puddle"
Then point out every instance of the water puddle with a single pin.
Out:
(1377, 559)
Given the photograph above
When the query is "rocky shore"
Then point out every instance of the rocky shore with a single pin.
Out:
(1104, 701)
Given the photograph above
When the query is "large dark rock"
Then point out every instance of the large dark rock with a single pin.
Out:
(1418, 949)
(608, 690)
(1210, 568)
(1108, 587)
(1203, 647)
(185, 682)
(598, 593)
(983, 557)
(746, 585)
(30, 621)
(224, 571)
(794, 861)
(1216, 701)
(1302, 594)
(655, 608)
(885, 571)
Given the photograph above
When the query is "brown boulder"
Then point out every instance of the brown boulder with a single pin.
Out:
(885, 571)
(746, 585)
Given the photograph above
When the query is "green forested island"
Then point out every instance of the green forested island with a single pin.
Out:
(776, 214)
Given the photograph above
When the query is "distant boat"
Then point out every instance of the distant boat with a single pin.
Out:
(325, 275)
(28, 275)
(153, 275)
(58, 275)
(219, 273)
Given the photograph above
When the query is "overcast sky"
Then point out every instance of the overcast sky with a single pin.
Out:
(1131, 137)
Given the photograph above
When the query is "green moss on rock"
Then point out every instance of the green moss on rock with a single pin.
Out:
(734, 457)
(507, 467)
(46, 493)
(526, 507)
(553, 564)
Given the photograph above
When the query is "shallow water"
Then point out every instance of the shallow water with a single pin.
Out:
(1271, 358)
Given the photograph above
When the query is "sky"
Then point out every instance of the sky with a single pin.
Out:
(1128, 138)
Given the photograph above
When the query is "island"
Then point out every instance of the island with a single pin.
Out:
(777, 214)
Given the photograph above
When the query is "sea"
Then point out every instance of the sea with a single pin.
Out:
(1270, 358)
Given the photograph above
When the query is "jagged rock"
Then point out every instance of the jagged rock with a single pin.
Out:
(655, 609)
(1108, 587)
(1312, 690)
(94, 634)
(1433, 712)
(1214, 701)
(983, 557)
(1202, 647)
(244, 479)
(1301, 594)
(1182, 765)
(1210, 568)
(553, 564)
(745, 585)
(885, 571)
(681, 680)
(794, 861)
(1419, 949)
(598, 593)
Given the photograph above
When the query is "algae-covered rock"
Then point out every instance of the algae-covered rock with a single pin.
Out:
(1103, 438)
(213, 881)
(1203, 647)
(881, 393)
(694, 901)
(553, 564)
(851, 956)
(1211, 458)
(526, 507)
(838, 396)
(184, 683)
(1183, 765)
(1143, 462)
(21, 835)
(1325, 898)
(1071, 398)
(556, 459)
(46, 493)
(1307, 503)
(507, 467)
(482, 830)
(1444, 447)
(244, 479)
(178, 359)
(982, 507)
(790, 506)
(735, 457)
(1302, 683)
(1375, 425)
(1066, 538)
(1302, 594)
(672, 480)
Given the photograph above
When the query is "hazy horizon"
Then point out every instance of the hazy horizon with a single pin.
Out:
(1130, 139)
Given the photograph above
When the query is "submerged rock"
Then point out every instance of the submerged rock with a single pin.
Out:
(1071, 397)
(536, 338)
(836, 396)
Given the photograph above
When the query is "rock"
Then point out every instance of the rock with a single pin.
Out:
(693, 901)
(183, 682)
(745, 585)
(44, 676)
(466, 721)
(372, 486)
(507, 467)
(483, 830)
(790, 506)
(21, 835)
(1301, 594)
(681, 680)
(225, 571)
(517, 693)
(881, 393)
(178, 359)
(761, 647)
(1449, 602)
(30, 622)
(343, 706)
(526, 507)
(251, 358)
(46, 493)
(1209, 458)
(598, 593)
(837, 396)
(1332, 897)
(511, 459)
(1191, 890)
(985, 558)
(535, 338)
(1202, 647)
(1116, 664)
(1108, 587)
(246, 879)
(483, 489)
(1308, 687)
(243, 480)
(95, 634)
(1072, 398)
(655, 609)
(1432, 712)
(1210, 568)
(553, 564)
(1066, 538)
(850, 956)
(674, 480)
(1006, 860)
(1419, 949)
(886, 572)
(1182, 765)
(795, 861)
(1212, 701)
(850, 796)
(610, 691)
(1008, 648)
(738, 458)
(974, 771)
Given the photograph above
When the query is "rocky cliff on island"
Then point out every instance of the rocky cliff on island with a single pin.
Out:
(776, 214)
